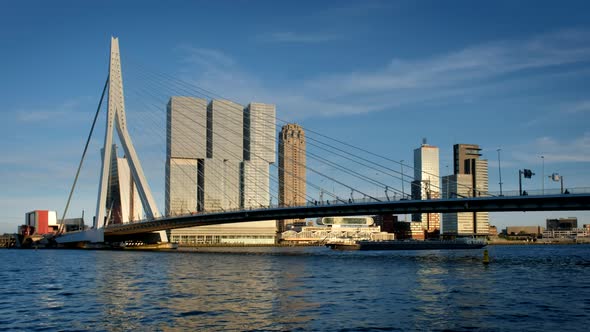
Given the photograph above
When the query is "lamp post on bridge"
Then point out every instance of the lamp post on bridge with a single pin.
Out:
(500, 172)
(556, 177)
(401, 165)
(543, 176)
(448, 182)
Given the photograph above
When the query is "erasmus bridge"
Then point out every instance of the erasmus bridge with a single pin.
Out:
(352, 169)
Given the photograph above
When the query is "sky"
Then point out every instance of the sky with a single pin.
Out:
(509, 75)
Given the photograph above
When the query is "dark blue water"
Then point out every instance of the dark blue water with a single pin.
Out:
(525, 288)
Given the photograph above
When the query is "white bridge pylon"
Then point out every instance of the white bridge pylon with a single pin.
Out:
(116, 118)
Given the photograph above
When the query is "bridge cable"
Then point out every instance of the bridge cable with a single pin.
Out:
(311, 138)
(62, 225)
(319, 173)
(313, 170)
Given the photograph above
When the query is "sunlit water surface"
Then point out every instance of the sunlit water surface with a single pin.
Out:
(525, 288)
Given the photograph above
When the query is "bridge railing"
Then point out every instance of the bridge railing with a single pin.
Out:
(581, 190)
(342, 201)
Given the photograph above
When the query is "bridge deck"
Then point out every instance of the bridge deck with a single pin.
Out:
(478, 204)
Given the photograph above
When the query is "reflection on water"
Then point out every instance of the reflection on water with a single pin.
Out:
(524, 288)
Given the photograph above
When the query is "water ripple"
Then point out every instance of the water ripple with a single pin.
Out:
(297, 289)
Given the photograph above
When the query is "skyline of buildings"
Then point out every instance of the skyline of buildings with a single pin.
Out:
(219, 155)
(218, 158)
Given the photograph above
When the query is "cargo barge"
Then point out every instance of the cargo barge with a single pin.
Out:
(409, 245)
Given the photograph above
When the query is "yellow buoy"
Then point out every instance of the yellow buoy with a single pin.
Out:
(486, 257)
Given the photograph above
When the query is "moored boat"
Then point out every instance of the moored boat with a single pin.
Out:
(409, 245)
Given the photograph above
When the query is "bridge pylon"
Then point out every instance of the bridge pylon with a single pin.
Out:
(116, 119)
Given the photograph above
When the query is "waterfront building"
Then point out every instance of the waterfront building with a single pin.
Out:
(337, 229)
(43, 221)
(493, 231)
(580, 235)
(292, 183)
(228, 167)
(386, 222)
(426, 184)
(122, 202)
(347, 221)
(470, 180)
(563, 224)
(524, 230)
(225, 149)
(408, 230)
(259, 154)
(186, 144)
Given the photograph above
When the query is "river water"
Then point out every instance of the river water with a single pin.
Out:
(524, 288)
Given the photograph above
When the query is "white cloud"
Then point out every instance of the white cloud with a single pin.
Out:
(459, 68)
(554, 150)
(463, 74)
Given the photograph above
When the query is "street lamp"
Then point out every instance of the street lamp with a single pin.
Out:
(556, 177)
(499, 171)
(543, 176)
(401, 164)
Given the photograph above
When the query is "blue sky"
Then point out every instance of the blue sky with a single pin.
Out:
(513, 75)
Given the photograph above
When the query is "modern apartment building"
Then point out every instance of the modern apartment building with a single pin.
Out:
(259, 154)
(230, 149)
(186, 144)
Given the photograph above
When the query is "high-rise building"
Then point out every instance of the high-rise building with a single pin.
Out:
(426, 184)
(230, 157)
(470, 180)
(186, 144)
(225, 150)
(259, 154)
(292, 183)
(463, 223)
(462, 156)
